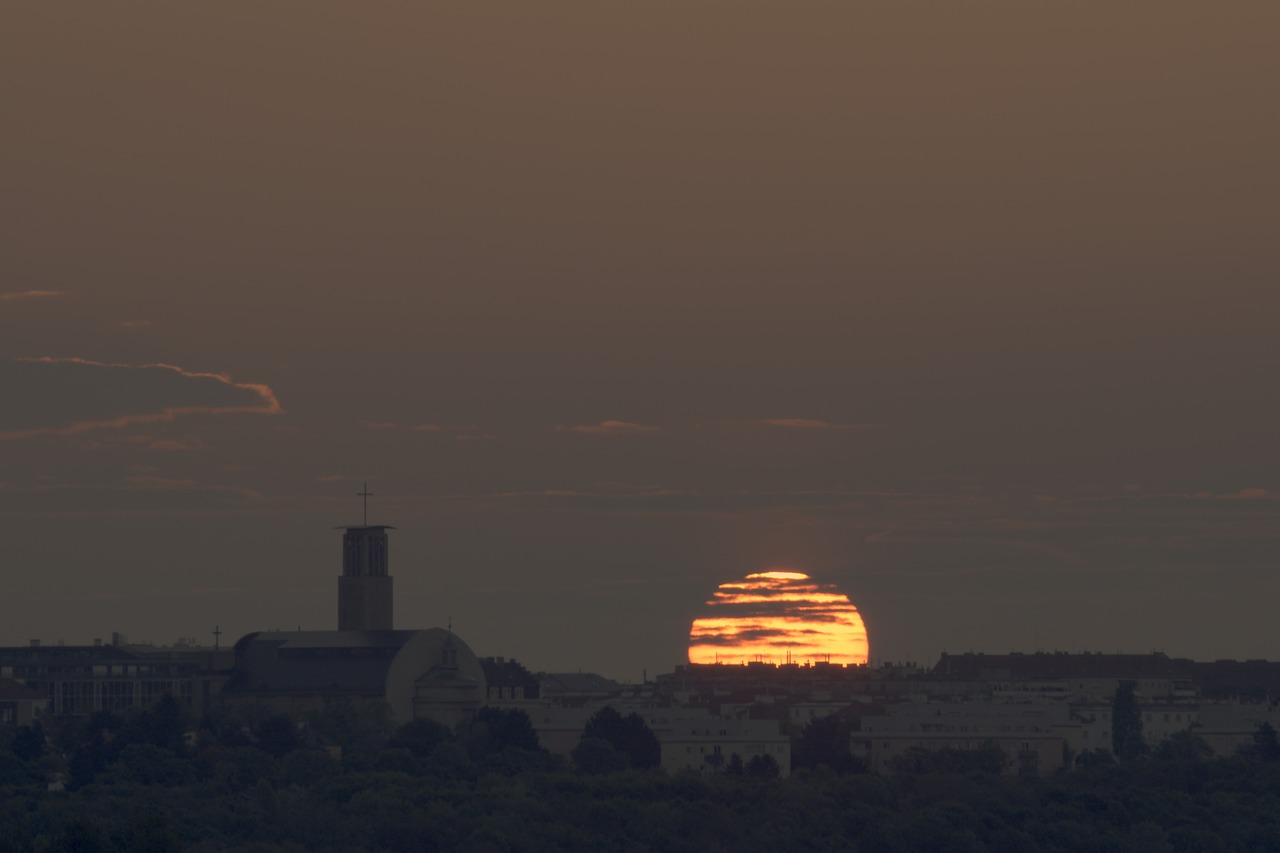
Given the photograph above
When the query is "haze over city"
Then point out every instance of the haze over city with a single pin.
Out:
(970, 314)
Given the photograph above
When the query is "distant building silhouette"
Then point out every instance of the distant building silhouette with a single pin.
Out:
(416, 673)
(80, 680)
(364, 588)
(20, 705)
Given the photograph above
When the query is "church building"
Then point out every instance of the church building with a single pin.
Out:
(428, 673)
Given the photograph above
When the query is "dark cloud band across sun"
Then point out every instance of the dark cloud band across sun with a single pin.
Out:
(69, 396)
(778, 617)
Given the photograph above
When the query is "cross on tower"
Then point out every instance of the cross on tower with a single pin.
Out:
(366, 494)
(217, 635)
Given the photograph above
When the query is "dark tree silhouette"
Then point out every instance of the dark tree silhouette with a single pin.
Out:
(1266, 746)
(825, 741)
(28, 742)
(420, 737)
(163, 725)
(597, 756)
(278, 735)
(1126, 724)
(989, 758)
(1183, 746)
(492, 730)
(629, 735)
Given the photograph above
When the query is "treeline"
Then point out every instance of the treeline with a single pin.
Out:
(266, 784)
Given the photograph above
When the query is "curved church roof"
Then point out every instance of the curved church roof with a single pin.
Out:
(368, 664)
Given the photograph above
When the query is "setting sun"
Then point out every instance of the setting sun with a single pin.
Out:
(778, 617)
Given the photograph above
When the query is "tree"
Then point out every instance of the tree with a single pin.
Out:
(80, 836)
(361, 731)
(735, 766)
(825, 741)
(1126, 724)
(13, 771)
(151, 833)
(492, 730)
(1266, 746)
(28, 742)
(629, 735)
(420, 736)
(148, 764)
(597, 757)
(1183, 746)
(988, 758)
(763, 767)
(1095, 758)
(278, 735)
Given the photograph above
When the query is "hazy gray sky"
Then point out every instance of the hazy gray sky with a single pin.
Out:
(969, 309)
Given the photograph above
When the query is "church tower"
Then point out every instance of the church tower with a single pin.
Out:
(364, 589)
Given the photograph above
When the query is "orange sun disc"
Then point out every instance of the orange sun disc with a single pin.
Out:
(778, 617)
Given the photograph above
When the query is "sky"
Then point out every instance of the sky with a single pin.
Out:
(967, 310)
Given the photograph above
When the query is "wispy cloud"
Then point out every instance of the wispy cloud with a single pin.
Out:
(460, 432)
(140, 481)
(16, 295)
(262, 400)
(812, 424)
(610, 427)
(188, 443)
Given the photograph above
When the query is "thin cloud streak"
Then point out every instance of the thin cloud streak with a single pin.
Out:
(269, 404)
(461, 431)
(17, 295)
(611, 427)
(812, 424)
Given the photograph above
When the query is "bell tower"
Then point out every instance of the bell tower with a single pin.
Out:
(364, 588)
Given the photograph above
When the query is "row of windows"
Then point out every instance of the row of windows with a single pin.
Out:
(78, 697)
(95, 670)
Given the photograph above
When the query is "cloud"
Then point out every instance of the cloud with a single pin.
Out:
(136, 324)
(610, 428)
(189, 443)
(460, 432)
(808, 423)
(152, 482)
(17, 295)
(70, 396)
